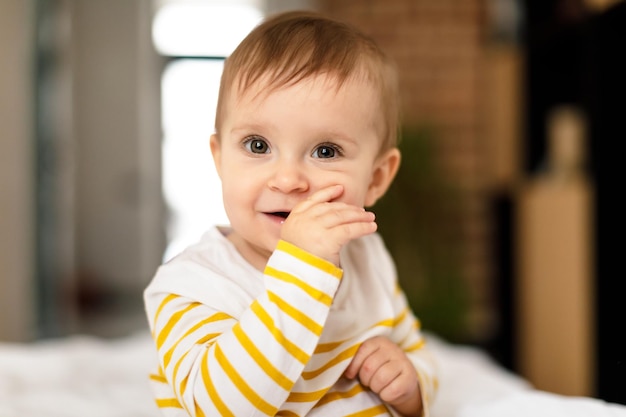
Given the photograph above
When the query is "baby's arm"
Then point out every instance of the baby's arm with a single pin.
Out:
(217, 364)
(410, 345)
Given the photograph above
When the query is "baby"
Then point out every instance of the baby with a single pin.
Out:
(294, 308)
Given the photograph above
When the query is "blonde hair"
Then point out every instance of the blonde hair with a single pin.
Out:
(293, 46)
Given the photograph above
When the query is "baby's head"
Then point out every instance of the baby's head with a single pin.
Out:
(307, 111)
(295, 46)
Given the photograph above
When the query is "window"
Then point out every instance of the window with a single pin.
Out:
(191, 187)
(196, 36)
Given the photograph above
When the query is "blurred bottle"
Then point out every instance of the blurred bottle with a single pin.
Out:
(555, 287)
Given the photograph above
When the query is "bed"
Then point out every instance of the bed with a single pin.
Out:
(97, 377)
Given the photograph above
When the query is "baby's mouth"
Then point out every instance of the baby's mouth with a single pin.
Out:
(278, 216)
(281, 214)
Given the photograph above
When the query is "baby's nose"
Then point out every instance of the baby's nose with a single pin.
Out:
(289, 177)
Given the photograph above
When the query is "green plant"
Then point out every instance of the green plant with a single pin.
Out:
(419, 218)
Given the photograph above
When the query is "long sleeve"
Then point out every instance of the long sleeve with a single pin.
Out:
(231, 340)
(407, 334)
(379, 288)
(216, 364)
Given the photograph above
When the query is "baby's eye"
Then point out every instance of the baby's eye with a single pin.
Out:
(256, 145)
(327, 151)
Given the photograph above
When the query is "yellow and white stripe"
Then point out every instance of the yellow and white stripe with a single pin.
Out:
(268, 360)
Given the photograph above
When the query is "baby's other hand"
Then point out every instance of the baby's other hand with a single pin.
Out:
(322, 226)
(383, 366)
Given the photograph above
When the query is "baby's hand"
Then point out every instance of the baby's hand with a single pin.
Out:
(322, 226)
(383, 366)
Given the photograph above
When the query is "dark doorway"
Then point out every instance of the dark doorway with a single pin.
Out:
(576, 56)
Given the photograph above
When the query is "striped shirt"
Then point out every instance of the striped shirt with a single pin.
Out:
(234, 341)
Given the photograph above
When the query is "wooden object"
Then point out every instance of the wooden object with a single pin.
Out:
(554, 288)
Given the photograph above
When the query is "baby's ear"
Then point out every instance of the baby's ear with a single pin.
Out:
(385, 170)
(216, 152)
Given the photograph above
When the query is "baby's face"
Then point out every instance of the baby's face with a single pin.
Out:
(276, 149)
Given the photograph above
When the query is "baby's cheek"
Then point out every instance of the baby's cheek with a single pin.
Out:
(353, 197)
(354, 186)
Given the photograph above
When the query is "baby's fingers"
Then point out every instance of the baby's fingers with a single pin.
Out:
(335, 215)
(396, 385)
(348, 231)
(366, 349)
(321, 196)
(344, 223)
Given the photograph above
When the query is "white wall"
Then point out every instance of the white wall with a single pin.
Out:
(103, 97)
(119, 223)
(16, 171)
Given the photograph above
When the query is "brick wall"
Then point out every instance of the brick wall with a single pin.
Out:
(438, 46)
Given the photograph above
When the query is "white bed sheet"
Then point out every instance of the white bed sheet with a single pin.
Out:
(86, 376)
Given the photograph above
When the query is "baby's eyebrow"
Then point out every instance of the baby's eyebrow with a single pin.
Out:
(245, 128)
(336, 135)
(252, 127)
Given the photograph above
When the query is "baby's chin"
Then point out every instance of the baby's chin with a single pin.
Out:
(256, 253)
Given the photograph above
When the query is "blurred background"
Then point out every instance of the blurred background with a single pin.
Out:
(505, 221)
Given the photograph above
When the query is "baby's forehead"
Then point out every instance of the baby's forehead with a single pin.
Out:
(247, 104)
(270, 83)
